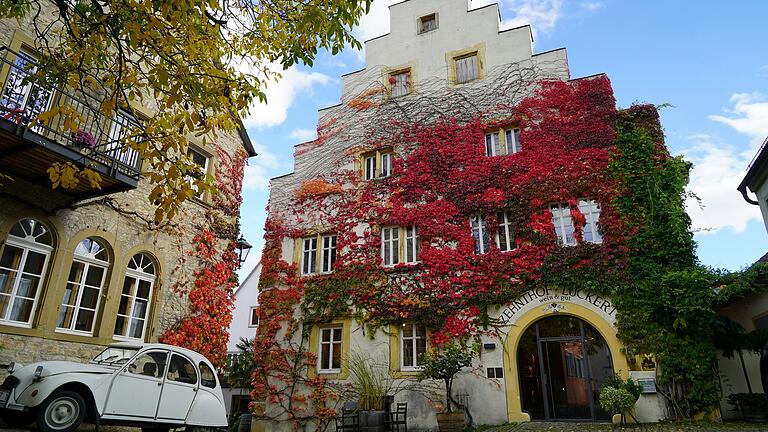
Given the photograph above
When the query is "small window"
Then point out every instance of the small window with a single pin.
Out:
(400, 83)
(370, 167)
(561, 219)
(330, 350)
(377, 164)
(505, 235)
(479, 234)
(495, 372)
(151, 364)
(412, 245)
(309, 256)
(466, 68)
(181, 370)
(413, 343)
(502, 142)
(386, 164)
(591, 212)
(328, 258)
(200, 160)
(427, 23)
(207, 377)
(390, 245)
(254, 317)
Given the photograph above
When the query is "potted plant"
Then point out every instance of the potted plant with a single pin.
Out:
(444, 364)
(620, 396)
(753, 406)
(83, 139)
(370, 383)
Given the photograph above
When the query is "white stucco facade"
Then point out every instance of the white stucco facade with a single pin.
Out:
(246, 298)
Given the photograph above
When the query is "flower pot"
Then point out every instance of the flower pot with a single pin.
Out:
(450, 422)
(372, 421)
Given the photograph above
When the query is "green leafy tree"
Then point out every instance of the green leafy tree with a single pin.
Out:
(196, 65)
(444, 364)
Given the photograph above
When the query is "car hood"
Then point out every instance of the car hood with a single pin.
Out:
(59, 367)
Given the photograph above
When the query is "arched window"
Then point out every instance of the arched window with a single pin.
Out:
(23, 261)
(84, 285)
(136, 298)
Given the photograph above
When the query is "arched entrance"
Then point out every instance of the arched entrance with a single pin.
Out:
(562, 362)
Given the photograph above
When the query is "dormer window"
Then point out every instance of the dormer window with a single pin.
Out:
(427, 23)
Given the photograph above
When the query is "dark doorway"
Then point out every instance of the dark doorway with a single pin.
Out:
(563, 361)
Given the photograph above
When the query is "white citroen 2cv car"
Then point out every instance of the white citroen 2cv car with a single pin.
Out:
(153, 386)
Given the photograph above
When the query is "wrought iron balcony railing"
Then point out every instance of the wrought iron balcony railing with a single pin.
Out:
(97, 140)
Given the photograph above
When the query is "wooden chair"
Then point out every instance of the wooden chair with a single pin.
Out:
(349, 421)
(398, 418)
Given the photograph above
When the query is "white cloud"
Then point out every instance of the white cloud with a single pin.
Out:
(259, 168)
(749, 115)
(281, 95)
(719, 167)
(717, 171)
(542, 15)
(303, 135)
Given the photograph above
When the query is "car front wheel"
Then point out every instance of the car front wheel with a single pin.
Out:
(63, 411)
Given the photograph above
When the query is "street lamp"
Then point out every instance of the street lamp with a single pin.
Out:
(243, 247)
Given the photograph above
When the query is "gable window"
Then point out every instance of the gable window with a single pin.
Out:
(502, 142)
(253, 317)
(413, 343)
(200, 160)
(466, 68)
(505, 235)
(427, 23)
(563, 222)
(136, 298)
(23, 262)
(479, 234)
(377, 164)
(311, 255)
(330, 350)
(400, 83)
(84, 285)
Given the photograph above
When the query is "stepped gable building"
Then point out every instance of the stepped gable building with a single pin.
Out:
(84, 267)
(435, 191)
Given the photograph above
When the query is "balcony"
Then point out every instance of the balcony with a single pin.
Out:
(28, 147)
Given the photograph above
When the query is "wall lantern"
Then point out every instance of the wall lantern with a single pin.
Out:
(243, 247)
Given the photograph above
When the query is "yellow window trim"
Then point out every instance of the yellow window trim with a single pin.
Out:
(405, 67)
(377, 154)
(314, 344)
(502, 138)
(452, 56)
(400, 244)
(394, 353)
(299, 252)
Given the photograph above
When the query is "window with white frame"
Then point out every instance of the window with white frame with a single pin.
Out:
(201, 160)
(413, 343)
(400, 83)
(328, 258)
(412, 246)
(82, 295)
(390, 245)
(136, 298)
(591, 211)
(479, 234)
(370, 167)
(505, 239)
(561, 219)
(253, 317)
(502, 142)
(330, 350)
(23, 262)
(466, 68)
(386, 164)
(309, 256)
(563, 222)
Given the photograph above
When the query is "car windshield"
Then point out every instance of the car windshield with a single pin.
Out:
(115, 356)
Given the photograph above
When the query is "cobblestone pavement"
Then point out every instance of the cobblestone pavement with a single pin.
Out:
(602, 427)
(83, 428)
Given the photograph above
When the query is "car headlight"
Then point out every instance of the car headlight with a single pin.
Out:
(38, 374)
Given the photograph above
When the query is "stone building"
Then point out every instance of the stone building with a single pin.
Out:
(445, 84)
(85, 266)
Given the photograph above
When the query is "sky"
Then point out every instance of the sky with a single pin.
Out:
(707, 60)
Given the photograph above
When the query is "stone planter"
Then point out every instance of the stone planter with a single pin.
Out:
(372, 421)
(450, 422)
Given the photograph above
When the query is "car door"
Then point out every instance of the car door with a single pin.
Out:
(135, 390)
(179, 389)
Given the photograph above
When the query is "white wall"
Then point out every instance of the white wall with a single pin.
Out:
(246, 296)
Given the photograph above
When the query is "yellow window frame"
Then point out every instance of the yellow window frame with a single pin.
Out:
(299, 253)
(401, 232)
(502, 140)
(314, 348)
(395, 348)
(377, 154)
